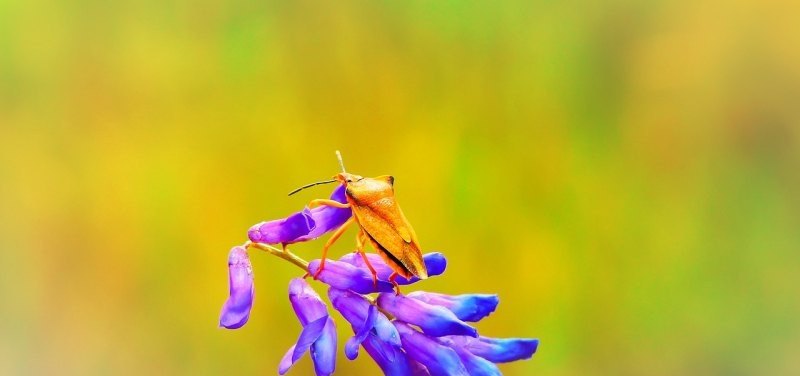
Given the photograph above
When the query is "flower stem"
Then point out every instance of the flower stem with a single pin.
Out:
(282, 253)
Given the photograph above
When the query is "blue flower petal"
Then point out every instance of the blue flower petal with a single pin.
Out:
(286, 361)
(476, 365)
(351, 348)
(467, 307)
(417, 369)
(498, 350)
(284, 230)
(323, 351)
(437, 358)
(382, 342)
(319, 331)
(344, 276)
(355, 307)
(236, 310)
(352, 306)
(390, 358)
(305, 225)
(306, 302)
(435, 263)
(433, 320)
(385, 331)
(308, 336)
(358, 312)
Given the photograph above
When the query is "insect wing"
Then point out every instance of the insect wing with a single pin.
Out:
(385, 223)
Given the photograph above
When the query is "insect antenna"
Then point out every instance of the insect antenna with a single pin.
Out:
(341, 163)
(311, 185)
(339, 157)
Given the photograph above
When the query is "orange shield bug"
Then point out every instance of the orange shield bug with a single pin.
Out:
(381, 223)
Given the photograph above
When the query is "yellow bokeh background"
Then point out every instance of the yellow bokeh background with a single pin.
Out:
(624, 174)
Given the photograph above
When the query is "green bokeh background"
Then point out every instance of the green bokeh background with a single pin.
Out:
(624, 174)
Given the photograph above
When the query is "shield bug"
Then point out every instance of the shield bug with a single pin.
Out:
(380, 222)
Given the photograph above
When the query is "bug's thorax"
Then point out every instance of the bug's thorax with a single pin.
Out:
(364, 191)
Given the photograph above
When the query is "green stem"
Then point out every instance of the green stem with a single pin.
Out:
(282, 253)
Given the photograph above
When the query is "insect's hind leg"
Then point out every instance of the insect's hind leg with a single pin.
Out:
(332, 240)
(392, 279)
(360, 249)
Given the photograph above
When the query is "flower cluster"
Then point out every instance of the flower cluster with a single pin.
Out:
(421, 333)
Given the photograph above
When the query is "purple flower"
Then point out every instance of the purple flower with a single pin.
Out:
(433, 320)
(305, 225)
(435, 263)
(437, 358)
(372, 330)
(344, 276)
(444, 344)
(496, 350)
(351, 272)
(236, 309)
(467, 307)
(476, 365)
(318, 334)
(400, 349)
(386, 326)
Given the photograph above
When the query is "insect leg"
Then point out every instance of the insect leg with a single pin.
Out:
(360, 249)
(392, 280)
(326, 202)
(332, 240)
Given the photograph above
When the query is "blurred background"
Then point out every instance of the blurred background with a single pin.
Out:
(624, 174)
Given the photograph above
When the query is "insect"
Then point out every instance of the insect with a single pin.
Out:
(381, 223)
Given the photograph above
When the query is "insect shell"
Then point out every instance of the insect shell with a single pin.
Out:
(383, 223)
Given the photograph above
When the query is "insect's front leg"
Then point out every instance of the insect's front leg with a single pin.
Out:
(360, 249)
(332, 240)
(326, 202)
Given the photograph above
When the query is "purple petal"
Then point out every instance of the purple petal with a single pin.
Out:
(306, 302)
(308, 336)
(344, 276)
(497, 350)
(319, 330)
(433, 320)
(352, 345)
(385, 331)
(476, 365)
(435, 263)
(390, 358)
(467, 307)
(323, 351)
(352, 306)
(283, 230)
(437, 358)
(351, 348)
(328, 218)
(382, 343)
(356, 310)
(417, 369)
(305, 225)
(355, 259)
(286, 361)
(236, 310)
